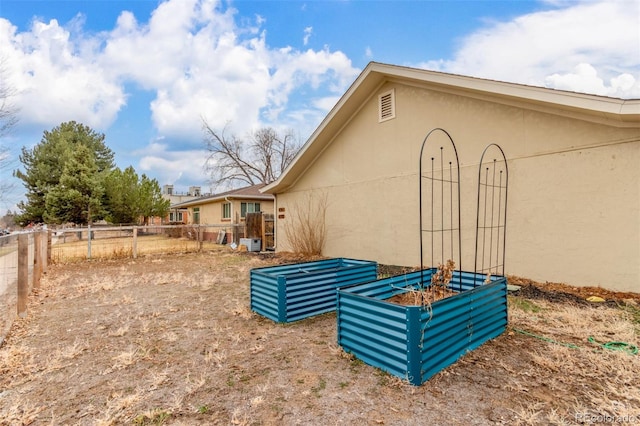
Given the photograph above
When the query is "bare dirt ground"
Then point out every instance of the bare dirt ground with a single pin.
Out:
(171, 340)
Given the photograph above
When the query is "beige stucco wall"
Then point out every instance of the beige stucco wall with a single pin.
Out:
(574, 190)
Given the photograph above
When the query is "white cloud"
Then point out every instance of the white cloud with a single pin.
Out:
(368, 52)
(326, 103)
(588, 46)
(307, 35)
(194, 55)
(54, 84)
(584, 78)
(185, 167)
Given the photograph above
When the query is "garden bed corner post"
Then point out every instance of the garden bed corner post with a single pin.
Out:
(282, 299)
(414, 346)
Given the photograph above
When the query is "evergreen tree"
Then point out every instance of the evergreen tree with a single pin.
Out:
(121, 196)
(78, 196)
(151, 201)
(44, 166)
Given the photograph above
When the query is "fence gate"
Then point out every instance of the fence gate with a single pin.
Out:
(261, 225)
(268, 231)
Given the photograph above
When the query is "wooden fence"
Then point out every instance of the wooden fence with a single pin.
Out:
(132, 241)
(23, 260)
(261, 225)
(25, 256)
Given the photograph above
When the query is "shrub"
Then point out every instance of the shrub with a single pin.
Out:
(305, 228)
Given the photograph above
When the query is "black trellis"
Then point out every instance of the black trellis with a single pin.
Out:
(440, 188)
(491, 218)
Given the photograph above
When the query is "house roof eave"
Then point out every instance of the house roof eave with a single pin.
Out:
(625, 112)
(218, 199)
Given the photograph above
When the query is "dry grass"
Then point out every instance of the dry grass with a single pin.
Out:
(589, 379)
(171, 340)
(122, 247)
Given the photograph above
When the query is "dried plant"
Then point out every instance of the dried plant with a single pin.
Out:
(424, 296)
(443, 275)
(305, 226)
(418, 297)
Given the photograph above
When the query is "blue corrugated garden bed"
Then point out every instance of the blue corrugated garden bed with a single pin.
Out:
(416, 342)
(286, 293)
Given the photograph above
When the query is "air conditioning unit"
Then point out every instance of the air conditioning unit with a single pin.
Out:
(253, 244)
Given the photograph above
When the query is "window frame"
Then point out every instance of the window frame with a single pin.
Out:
(244, 208)
(224, 208)
(196, 215)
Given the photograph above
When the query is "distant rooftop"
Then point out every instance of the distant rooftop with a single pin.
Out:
(248, 192)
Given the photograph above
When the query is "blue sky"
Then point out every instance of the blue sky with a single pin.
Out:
(145, 72)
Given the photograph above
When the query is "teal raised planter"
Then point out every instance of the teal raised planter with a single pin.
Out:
(416, 342)
(286, 293)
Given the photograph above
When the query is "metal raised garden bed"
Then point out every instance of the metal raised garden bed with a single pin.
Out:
(416, 342)
(287, 293)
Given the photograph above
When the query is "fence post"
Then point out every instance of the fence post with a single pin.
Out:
(23, 273)
(135, 242)
(37, 258)
(49, 242)
(89, 242)
(200, 237)
(263, 232)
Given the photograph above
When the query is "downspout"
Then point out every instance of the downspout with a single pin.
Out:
(275, 219)
(226, 198)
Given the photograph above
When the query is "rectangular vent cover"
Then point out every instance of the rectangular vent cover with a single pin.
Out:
(387, 106)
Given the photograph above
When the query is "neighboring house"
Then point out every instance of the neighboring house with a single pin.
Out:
(179, 215)
(226, 209)
(574, 164)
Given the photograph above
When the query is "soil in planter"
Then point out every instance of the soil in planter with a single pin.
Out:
(421, 297)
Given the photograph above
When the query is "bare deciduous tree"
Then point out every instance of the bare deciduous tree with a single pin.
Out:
(8, 119)
(260, 158)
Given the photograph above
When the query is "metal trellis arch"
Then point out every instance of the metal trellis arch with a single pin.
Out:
(440, 187)
(491, 217)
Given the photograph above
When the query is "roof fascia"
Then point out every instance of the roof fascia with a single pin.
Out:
(361, 89)
(611, 111)
(192, 203)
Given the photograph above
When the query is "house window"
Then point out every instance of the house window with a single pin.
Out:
(196, 215)
(249, 208)
(175, 217)
(386, 106)
(226, 210)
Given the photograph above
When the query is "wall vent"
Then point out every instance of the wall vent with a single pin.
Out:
(386, 106)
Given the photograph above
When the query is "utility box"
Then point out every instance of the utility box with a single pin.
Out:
(253, 244)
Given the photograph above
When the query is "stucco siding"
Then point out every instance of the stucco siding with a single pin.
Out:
(574, 190)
